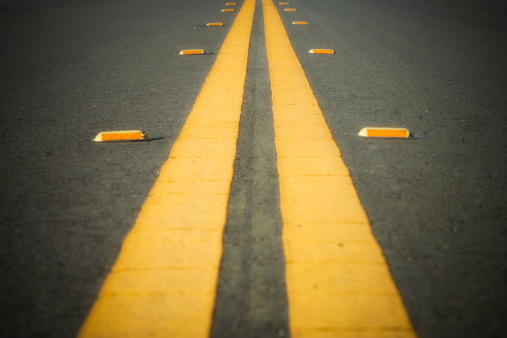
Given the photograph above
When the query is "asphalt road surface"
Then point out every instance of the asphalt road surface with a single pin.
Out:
(437, 206)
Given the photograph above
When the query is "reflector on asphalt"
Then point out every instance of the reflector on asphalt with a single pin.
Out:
(209, 24)
(384, 132)
(230, 4)
(192, 52)
(227, 10)
(290, 9)
(122, 135)
(321, 51)
(283, 3)
(300, 23)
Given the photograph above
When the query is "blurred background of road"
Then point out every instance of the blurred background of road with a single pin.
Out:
(69, 69)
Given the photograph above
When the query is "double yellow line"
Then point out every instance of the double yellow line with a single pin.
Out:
(163, 283)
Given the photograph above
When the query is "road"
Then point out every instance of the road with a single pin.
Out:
(436, 205)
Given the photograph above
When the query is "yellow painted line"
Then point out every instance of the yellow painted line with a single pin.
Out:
(120, 135)
(338, 282)
(384, 132)
(227, 10)
(163, 283)
(230, 4)
(300, 23)
(321, 51)
(290, 9)
(211, 24)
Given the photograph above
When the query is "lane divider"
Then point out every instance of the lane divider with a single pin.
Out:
(384, 132)
(290, 9)
(192, 52)
(163, 283)
(300, 23)
(321, 51)
(122, 135)
(338, 282)
(227, 10)
(214, 24)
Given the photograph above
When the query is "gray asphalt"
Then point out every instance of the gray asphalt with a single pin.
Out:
(69, 69)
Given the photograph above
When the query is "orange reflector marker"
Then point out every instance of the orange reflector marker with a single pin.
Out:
(321, 51)
(227, 10)
(211, 24)
(300, 23)
(290, 9)
(192, 52)
(124, 135)
(384, 132)
(230, 4)
(283, 3)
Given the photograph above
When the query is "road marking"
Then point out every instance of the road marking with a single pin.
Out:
(300, 23)
(321, 51)
(290, 9)
(283, 3)
(192, 52)
(120, 135)
(164, 281)
(384, 132)
(230, 4)
(211, 24)
(227, 10)
(338, 282)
